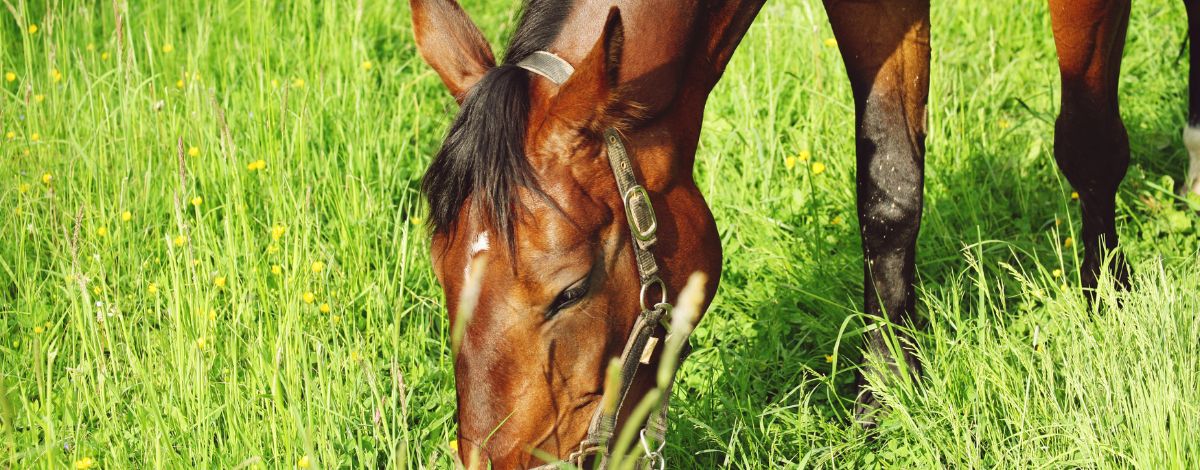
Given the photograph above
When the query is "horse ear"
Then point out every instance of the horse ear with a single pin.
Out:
(585, 96)
(451, 44)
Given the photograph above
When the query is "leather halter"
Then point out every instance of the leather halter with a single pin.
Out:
(645, 337)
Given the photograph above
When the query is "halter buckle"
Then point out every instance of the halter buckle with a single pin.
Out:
(640, 213)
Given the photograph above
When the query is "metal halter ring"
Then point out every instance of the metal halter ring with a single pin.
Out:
(653, 457)
(662, 288)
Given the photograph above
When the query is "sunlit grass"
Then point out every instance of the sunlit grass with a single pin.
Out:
(212, 251)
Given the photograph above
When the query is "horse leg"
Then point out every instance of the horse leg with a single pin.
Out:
(1090, 143)
(1191, 133)
(885, 47)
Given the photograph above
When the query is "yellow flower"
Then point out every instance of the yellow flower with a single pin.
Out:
(354, 356)
(1004, 124)
(789, 162)
(274, 83)
(366, 65)
(34, 137)
(96, 290)
(818, 168)
(219, 281)
(38, 98)
(1074, 195)
(179, 84)
(180, 240)
(336, 319)
(103, 56)
(831, 42)
(200, 343)
(1057, 222)
(804, 155)
(272, 248)
(837, 220)
(829, 358)
(298, 83)
(304, 462)
(416, 220)
(102, 232)
(212, 315)
(33, 29)
(196, 201)
(277, 232)
(276, 269)
(85, 463)
(23, 188)
(1056, 273)
(91, 46)
(309, 297)
(318, 266)
(126, 216)
(57, 75)
(46, 177)
(256, 165)
(1069, 242)
(37, 330)
(194, 152)
(324, 308)
(168, 48)
(10, 77)
(152, 288)
(454, 445)
(10, 135)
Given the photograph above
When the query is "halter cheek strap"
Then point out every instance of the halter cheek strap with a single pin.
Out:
(656, 311)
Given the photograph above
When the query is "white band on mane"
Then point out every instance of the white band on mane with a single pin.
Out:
(548, 65)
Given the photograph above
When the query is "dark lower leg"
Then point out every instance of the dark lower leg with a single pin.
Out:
(885, 46)
(1091, 146)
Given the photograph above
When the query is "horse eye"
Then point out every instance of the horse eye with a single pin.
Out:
(568, 297)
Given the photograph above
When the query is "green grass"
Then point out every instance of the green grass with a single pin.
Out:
(122, 348)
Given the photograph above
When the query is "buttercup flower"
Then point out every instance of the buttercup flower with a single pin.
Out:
(126, 216)
(309, 297)
(818, 168)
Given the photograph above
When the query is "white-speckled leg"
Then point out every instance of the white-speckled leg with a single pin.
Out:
(1191, 139)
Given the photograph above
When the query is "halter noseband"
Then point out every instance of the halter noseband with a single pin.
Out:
(643, 227)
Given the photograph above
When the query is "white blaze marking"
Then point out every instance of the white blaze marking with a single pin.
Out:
(481, 244)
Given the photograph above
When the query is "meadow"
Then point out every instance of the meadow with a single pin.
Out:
(213, 253)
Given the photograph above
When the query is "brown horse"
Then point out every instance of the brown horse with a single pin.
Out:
(532, 216)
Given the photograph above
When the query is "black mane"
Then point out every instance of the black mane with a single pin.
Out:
(483, 156)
